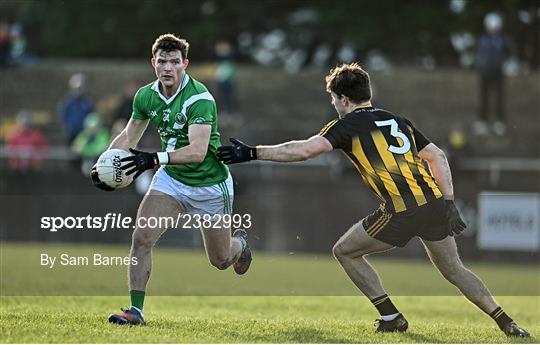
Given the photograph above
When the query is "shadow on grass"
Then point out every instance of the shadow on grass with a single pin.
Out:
(419, 338)
(300, 335)
(248, 331)
(252, 331)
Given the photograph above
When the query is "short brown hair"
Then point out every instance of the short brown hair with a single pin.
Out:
(349, 80)
(169, 42)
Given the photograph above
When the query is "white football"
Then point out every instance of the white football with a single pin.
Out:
(109, 168)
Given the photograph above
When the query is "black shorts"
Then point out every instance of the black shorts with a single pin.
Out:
(427, 222)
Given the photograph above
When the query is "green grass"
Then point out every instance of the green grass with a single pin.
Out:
(255, 319)
(272, 310)
(181, 272)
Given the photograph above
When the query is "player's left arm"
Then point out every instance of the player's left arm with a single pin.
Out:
(199, 136)
(436, 159)
(291, 151)
(201, 115)
(438, 164)
(195, 152)
(440, 169)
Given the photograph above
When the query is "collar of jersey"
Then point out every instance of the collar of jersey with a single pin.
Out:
(182, 85)
(363, 106)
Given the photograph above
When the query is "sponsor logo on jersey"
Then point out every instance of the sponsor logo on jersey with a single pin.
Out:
(166, 114)
(170, 131)
(153, 113)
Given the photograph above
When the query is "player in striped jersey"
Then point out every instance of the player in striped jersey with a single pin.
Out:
(390, 155)
(190, 179)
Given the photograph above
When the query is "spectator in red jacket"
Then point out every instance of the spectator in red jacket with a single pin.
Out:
(26, 146)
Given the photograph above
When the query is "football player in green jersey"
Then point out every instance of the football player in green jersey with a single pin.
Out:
(190, 179)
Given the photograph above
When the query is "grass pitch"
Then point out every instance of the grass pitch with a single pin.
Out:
(255, 319)
(196, 314)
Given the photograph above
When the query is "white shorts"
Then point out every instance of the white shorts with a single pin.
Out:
(215, 199)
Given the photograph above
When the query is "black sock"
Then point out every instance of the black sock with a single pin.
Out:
(384, 305)
(500, 317)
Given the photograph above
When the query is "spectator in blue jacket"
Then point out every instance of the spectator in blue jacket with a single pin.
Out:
(74, 107)
(494, 48)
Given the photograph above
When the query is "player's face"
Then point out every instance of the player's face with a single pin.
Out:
(170, 67)
(337, 102)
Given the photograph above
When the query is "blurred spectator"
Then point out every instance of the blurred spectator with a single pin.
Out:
(494, 48)
(18, 54)
(92, 141)
(125, 108)
(5, 44)
(74, 107)
(224, 76)
(26, 146)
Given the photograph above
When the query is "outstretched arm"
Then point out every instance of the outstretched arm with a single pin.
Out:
(296, 150)
(195, 152)
(292, 151)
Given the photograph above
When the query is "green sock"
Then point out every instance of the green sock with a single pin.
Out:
(137, 299)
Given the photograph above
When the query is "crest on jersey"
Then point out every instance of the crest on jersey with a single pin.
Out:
(180, 118)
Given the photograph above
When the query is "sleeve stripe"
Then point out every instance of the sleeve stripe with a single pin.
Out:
(327, 127)
(205, 95)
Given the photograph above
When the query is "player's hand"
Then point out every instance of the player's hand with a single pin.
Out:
(455, 223)
(97, 182)
(139, 162)
(237, 153)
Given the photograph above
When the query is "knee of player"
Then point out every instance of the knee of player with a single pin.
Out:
(338, 251)
(141, 240)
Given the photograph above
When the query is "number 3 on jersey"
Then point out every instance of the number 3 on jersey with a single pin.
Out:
(396, 134)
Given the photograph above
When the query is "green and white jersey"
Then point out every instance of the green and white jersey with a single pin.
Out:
(192, 104)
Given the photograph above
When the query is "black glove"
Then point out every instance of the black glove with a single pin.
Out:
(139, 162)
(237, 153)
(455, 224)
(97, 182)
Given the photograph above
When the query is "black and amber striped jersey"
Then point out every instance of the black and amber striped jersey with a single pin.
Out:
(384, 149)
